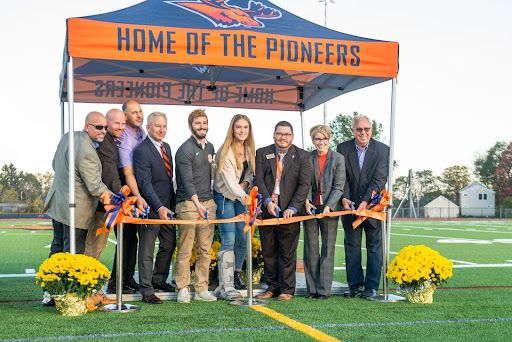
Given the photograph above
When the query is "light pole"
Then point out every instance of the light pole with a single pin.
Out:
(325, 25)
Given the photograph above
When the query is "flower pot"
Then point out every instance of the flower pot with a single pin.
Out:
(422, 297)
(256, 276)
(71, 305)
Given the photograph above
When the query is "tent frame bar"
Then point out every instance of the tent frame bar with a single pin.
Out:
(71, 158)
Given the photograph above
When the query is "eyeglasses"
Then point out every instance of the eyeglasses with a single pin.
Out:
(319, 140)
(359, 130)
(98, 127)
(284, 135)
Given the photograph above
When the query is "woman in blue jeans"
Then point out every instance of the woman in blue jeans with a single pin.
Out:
(233, 176)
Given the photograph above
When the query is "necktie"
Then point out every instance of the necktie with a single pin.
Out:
(166, 160)
(277, 190)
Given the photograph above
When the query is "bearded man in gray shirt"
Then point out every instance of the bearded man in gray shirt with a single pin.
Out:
(194, 202)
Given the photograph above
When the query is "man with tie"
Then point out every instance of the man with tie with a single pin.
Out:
(366, 163)
(283, 178)
(109, 158)
(152, 161)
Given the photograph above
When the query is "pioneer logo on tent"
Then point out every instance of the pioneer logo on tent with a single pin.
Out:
(221, 14)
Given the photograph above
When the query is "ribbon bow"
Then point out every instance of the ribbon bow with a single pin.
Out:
(254, 201)
(378, 202)
(116, 206)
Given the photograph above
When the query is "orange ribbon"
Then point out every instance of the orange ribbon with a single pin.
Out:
(116, 211)
(379, 202)
(252, 200)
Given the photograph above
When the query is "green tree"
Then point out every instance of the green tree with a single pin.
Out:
(9, 176)
(455, 178)
(10, 196)
(427, 186)
(486, 164)
(503, 175)
(341, 129)
(45, 179)
(399, 188)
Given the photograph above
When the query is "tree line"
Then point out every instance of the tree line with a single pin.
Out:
(19, 187)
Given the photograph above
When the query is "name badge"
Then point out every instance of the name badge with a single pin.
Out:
(271, 156)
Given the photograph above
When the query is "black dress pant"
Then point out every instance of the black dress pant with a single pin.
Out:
(279, 250)
(130, 242)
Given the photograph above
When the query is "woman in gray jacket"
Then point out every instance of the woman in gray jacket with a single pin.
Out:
(233, 176)
(328, 181)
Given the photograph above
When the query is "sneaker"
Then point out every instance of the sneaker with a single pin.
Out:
(205, 296)
(47, 300)
(183, 296)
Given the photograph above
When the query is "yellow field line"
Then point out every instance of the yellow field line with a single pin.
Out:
(306, 329)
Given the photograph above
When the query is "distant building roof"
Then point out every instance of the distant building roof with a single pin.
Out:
(475, 184)
(441, 200)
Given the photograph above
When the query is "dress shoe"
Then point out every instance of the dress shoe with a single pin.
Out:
(367, 293)
(126, 290)
(265, 295)
(311, 295)
(322, 297)
(151, 299)
(239, 284)
(353, 291)
(133, 284)
(284, 296)
(166, 287)
(47, 299)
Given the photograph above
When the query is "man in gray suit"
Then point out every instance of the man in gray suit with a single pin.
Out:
(88, 184)
(366, 163)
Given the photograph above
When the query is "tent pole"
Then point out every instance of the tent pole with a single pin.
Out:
(61, 118)
(71, 151)
(302, 128)
(386, 226)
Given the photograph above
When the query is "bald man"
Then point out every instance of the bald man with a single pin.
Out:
(109, 158)
(88, 186)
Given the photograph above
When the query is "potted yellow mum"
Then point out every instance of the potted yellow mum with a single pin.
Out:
(417, 270)
(71, 279)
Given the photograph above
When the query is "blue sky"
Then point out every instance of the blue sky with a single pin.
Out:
(453, 85)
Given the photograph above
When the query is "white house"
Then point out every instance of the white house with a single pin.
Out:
(477, 200)
(441, 207)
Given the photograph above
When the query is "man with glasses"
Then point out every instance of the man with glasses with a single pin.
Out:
(366, 163)
(283, 178)
(88, 186)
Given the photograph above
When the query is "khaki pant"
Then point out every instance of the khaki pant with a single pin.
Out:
(94, 245)
(203, 235)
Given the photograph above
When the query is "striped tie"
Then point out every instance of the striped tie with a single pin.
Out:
(277, 188)
(166, 160)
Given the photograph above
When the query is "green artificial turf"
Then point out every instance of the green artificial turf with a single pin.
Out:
(473, 306)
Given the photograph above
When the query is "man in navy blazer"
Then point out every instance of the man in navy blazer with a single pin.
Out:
(152, 161)
(366, 163)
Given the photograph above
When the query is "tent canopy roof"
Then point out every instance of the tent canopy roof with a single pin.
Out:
(229, 53)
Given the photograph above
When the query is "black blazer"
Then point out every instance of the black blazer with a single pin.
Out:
(152, 179)
(372, 177)
(295, 178)
(109, 158)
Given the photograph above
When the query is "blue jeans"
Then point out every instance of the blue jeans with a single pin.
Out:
(231, 232)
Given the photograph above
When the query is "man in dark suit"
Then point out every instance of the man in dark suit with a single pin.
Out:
(109, 158)
(152, 161)
(283, 178)
(366, 162)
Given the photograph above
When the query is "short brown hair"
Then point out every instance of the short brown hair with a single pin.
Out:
(196, 114)
(322, 129)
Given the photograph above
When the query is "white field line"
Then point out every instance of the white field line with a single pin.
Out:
(468, 230)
